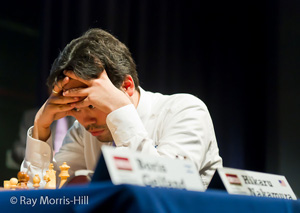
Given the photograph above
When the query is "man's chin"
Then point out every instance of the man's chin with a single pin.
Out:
(105, 138)
(102, 135)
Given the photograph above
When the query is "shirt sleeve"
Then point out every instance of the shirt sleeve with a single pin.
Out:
(185, 131)
(39, 155)
(128, 130)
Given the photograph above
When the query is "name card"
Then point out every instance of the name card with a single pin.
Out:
(243, 182)
(128, 167)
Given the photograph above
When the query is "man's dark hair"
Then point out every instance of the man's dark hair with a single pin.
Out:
(88, 55)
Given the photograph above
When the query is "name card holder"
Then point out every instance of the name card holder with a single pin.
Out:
(128, 167)
(244, 182)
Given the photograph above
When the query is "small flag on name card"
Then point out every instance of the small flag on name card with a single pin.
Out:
(282, 183)
(233, 179)
(122, 163)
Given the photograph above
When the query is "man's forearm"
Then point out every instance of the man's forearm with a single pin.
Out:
(41, 133)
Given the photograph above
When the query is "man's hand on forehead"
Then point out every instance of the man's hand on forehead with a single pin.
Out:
(74, 85)
(58, 87)
(99, 92)
(71, 75)
(57, 100)
(56, 107)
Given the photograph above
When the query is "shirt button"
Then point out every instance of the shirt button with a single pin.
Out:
(45, 154)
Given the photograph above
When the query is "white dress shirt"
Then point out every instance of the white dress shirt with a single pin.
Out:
(174, 126)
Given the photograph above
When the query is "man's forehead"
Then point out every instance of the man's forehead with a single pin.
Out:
(74, 84)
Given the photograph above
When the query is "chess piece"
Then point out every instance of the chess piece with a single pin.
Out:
(23, 179)
(63, 174)
(36, 181)
(13, 183)
(50, 178)
(47, 179)
(6, 184)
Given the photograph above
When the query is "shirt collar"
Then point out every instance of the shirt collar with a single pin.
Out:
(144, 105)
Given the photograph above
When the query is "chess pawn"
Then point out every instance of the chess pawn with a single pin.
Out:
(13, 183)
(23, 179)
(63, 174)
(36, 181)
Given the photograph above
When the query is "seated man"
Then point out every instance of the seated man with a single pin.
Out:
(94, 79)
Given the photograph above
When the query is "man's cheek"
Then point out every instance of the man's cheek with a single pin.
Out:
(75, 115)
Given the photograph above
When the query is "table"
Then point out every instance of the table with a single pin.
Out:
(130, 198)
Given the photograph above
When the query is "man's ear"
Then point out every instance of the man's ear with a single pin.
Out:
(128, 85)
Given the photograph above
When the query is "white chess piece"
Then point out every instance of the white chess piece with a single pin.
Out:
(64, 174)
(50, 178)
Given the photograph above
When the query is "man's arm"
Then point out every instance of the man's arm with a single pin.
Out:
(39, 147)
(184, 130)
(39, 155)
(56, 107)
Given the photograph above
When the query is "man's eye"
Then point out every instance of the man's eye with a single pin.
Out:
(91, 107)
(76, 109)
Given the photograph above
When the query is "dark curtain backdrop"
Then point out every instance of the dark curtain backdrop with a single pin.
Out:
(224, 52)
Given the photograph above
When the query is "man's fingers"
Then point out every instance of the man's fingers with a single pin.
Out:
(59, 86)
(72, 75)
(63, 100)
(61, 107)
(76, 92)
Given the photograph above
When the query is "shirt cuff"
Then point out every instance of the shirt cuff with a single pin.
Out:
(125, 124)
(37, 152)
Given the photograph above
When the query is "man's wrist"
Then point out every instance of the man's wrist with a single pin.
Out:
(41, 133)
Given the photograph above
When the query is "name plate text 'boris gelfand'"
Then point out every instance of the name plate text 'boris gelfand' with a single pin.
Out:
(128, 167)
